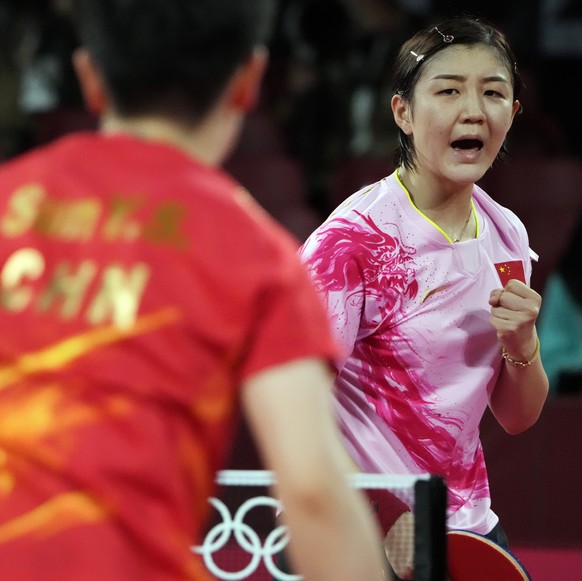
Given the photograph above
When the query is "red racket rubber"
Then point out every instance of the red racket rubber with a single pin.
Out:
(474, 557)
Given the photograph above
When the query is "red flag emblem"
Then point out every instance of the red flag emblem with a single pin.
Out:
(510, 269)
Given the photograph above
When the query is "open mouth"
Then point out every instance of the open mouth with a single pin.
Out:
(467, 144)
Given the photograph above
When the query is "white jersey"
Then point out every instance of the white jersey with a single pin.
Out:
(410, 309)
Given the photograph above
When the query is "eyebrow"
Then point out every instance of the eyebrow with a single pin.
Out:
(452, 77)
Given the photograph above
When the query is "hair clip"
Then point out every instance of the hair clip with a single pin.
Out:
(419, 57)
(448, 38)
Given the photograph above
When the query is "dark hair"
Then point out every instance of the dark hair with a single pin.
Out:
(425, 44)
(170, 57)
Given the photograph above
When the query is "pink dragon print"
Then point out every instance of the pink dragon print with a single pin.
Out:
(376, 271)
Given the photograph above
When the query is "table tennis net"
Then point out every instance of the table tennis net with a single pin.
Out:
(244, 538)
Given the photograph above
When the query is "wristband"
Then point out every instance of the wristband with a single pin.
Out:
(515, 363)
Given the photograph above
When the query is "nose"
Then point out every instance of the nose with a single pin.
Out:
(472, 109)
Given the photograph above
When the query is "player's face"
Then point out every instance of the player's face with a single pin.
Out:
(461, 109)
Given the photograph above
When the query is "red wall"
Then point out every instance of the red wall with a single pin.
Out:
(536, 477)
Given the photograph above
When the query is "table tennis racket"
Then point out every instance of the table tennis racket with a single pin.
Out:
(474, 557)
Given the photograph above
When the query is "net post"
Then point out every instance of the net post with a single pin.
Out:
(430, 512)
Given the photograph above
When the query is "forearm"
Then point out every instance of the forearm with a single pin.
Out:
(325, 525)
(332, 529)
(519, 396)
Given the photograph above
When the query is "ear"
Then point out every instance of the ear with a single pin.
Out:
(517, 108)
(402, 113)
(90, 81)
(245, 85)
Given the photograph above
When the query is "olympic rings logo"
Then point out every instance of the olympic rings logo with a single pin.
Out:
(247, 539)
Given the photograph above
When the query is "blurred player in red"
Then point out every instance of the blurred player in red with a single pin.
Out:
(146, 300)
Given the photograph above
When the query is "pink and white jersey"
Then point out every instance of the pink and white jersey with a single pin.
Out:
(421, 358)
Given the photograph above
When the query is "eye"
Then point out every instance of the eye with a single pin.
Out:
(449, 91)
(494, 93)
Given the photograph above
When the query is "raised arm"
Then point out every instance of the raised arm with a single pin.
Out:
(522, 387)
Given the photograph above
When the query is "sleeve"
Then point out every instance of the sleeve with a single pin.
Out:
(520, 239)
(291, 322)
(522, 242)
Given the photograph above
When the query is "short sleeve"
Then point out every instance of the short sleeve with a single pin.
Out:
(291, 321)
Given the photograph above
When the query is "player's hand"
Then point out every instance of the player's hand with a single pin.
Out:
(399, 546)
(514, 311)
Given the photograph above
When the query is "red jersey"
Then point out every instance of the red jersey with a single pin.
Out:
(138, 287)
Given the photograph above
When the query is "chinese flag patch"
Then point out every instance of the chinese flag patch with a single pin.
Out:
(510, 269)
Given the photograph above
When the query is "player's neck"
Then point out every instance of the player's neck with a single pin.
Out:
(448, 205)
(209, 142)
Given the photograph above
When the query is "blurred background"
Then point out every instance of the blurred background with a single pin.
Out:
(323, 128)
